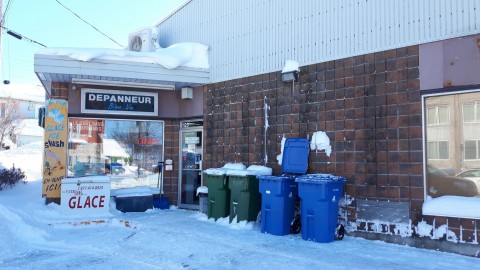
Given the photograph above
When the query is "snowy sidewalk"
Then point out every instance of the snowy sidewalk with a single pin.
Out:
(181, 239)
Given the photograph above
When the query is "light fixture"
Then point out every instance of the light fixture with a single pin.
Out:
(290, 76)
(187, 93)
(124, 84)
(74, 87)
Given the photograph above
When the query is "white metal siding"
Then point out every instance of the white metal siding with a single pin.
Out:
(252, 37)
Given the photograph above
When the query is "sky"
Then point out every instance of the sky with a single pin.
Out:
(39, 236)
(47, 22)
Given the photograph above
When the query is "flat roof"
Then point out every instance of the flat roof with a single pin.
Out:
(60, 68)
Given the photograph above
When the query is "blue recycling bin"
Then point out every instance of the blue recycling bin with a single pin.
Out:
(278, 203)
(279, 192)
(319, 195)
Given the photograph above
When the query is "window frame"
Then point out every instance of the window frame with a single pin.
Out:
(437, 148)
(425, 94)
(70, 132)
(437, 115)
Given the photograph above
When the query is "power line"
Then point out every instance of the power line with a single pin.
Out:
(89, 23)
(20, 37)
(5, 13)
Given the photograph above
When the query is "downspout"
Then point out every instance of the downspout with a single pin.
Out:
(265, 111)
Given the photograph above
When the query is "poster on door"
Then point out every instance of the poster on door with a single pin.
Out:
(55, 147)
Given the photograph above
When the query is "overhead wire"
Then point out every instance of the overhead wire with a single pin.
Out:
(3, 21)
(19, 36)
(89, 23)
(5, 13)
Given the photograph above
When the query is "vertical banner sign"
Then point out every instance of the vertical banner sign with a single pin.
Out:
(55, 147)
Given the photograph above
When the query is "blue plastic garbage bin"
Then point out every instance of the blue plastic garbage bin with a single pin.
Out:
(319, 195)
(279, 192)
(278, 203)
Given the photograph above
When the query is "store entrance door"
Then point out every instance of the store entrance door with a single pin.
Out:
(191, 150)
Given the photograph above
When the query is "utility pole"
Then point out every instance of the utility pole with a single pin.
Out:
(1, 30)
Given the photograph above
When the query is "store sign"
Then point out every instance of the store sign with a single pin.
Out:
(119, 102)
(86, 196)
(55, 147)
(192, 124)
(192, 140)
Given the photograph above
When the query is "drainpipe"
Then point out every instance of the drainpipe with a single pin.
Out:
(265, 110)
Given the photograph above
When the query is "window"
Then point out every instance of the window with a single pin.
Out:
(471, 112)
(437, 150)
(452, 150)
(471, 150)
(438, 115)
(128, 151)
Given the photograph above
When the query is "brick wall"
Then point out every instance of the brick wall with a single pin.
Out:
(171, 148)
(59, 91)
(369, 106)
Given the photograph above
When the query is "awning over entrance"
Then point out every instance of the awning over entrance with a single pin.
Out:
(122, 68)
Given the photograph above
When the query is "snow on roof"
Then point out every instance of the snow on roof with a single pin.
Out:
(112, 148)
(29, 127)
(28, 92)
(186, 54)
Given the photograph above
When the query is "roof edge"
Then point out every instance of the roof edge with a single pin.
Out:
(173, 11)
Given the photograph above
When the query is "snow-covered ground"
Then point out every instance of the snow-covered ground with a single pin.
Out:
(37, 236)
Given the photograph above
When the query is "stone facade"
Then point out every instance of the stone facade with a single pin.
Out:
(171, 151)
(370, 108)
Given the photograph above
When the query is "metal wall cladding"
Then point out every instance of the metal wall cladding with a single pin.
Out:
(252, 37)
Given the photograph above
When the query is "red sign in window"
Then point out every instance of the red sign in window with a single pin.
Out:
(147, 140)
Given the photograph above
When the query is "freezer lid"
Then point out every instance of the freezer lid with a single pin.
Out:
(295, 156)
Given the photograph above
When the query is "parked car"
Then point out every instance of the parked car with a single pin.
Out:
(440, 184)
(472, 174)
(116, 168)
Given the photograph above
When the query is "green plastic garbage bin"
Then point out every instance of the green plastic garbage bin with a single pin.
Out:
(244, 197)
(218, 196)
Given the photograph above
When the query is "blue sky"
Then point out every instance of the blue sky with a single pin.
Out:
(47, 22)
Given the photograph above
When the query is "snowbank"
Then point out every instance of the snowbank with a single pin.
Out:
(452, 206)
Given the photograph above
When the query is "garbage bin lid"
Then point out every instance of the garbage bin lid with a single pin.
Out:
(320, 179)
(295, 156)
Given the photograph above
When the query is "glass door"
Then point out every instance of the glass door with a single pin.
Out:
(191, 139)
